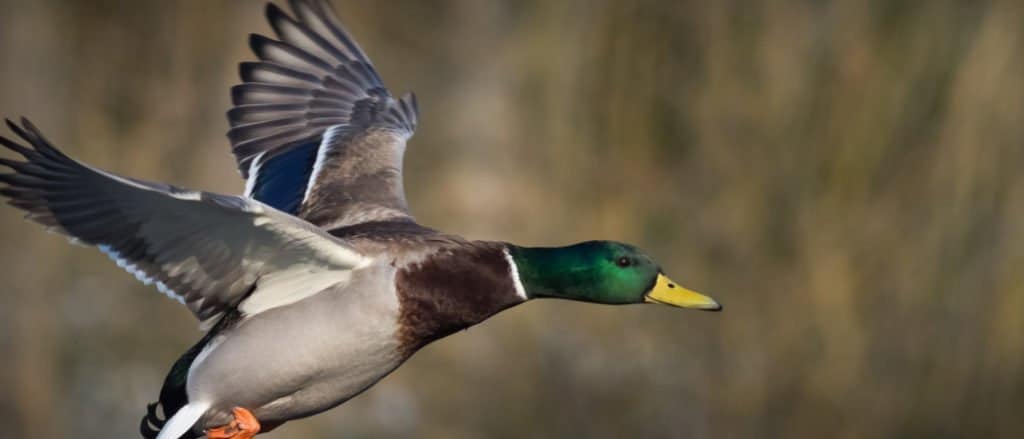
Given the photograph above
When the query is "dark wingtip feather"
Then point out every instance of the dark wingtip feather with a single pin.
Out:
(274, 14)
(14, 146)
(39, 143)
(256, 42)
(36, 136)
(28, 124)
(13, 164)
(246, 68)
(18, 129)
(22, 180)
(294, 4)
(237, 93)
(271, 10)
(250, 71)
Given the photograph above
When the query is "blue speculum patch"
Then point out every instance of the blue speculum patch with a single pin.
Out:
(281, 181)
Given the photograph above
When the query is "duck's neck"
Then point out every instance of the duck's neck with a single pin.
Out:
(558, 272)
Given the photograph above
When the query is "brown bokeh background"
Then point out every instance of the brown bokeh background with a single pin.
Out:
(845, 176)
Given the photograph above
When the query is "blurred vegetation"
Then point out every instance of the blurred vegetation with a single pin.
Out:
(843, 175)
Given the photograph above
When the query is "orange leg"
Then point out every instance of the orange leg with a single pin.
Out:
(245, 426)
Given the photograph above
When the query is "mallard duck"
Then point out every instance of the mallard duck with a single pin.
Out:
(317, 282)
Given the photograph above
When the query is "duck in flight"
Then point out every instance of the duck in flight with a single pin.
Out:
(317, 282)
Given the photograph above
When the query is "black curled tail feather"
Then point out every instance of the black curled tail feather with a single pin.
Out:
(173, 394)
(151, 423)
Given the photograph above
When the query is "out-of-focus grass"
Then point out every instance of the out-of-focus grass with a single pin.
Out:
(842, 175)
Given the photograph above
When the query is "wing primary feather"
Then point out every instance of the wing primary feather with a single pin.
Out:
(271, 50)
(269, 143)
(205, 250)
(323, 20)
(265, 127)
(311, 79)
(261, 93)
(290, 31)
(269, 72)
(245, 114)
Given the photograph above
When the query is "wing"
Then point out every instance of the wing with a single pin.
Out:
(313, 128)
(211, 252)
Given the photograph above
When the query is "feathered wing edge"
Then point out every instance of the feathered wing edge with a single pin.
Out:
(313, 77)
(206, 250)
(92, 207)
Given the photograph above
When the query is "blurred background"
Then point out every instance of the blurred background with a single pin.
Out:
(843, 175)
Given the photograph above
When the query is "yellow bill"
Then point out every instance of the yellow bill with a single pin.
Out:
(667, 292)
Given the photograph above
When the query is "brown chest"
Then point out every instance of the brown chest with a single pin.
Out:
(450, 290)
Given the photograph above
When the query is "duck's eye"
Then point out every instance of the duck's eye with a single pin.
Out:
(623, 262)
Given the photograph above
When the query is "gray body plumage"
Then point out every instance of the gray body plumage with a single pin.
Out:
(301, 359)
(304, 358)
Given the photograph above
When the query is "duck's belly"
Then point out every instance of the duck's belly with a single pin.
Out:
(304, 358)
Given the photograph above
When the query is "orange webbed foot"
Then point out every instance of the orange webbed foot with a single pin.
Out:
(245, 426)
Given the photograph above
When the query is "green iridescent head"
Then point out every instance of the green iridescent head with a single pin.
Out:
(600, 272)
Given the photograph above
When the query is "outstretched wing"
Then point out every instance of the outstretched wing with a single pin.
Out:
(211, 252)
(313, 129)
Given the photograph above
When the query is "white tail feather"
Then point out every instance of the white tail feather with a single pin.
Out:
(183, 420)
